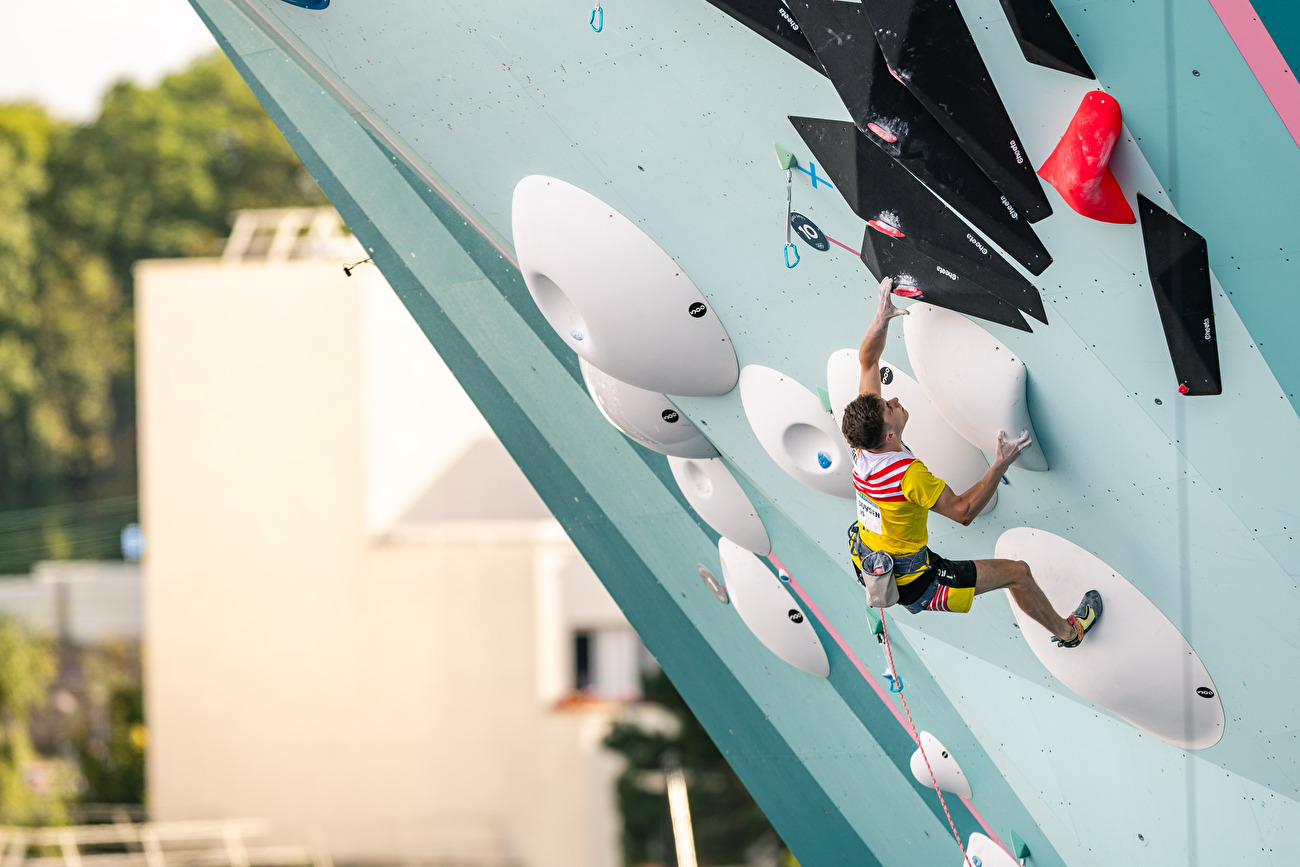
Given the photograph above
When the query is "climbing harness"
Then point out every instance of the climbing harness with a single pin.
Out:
(789, 194)
(915, 737)
(598, 25)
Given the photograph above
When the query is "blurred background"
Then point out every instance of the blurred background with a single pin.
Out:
(271, 591)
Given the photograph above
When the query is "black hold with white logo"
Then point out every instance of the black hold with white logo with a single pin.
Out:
(1205, 692)
(697, 309)
(670, 416)
(795, 615)
(886, 375)
(808, 232)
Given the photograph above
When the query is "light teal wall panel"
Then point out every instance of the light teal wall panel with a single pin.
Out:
(670, 115)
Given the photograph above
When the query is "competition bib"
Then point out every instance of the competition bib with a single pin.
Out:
(868, 515)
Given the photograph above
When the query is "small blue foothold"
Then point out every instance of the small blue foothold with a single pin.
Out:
(575, 334)
(824, 459)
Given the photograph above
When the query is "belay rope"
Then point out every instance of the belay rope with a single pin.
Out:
(890, 654)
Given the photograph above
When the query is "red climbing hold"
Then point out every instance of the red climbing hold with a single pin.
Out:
(1183, 389)
(1078, 168)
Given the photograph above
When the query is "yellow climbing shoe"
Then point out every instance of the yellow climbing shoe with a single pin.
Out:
(1083, 619)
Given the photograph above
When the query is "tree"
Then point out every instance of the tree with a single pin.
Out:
(27, 668)
(155, 175)
(726, 820)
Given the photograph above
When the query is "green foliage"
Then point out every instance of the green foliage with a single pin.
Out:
(156, 175)
(725, 818)
(27, 668)
(109, 737)
(112, 763)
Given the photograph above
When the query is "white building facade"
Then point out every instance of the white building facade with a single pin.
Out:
(361, 622)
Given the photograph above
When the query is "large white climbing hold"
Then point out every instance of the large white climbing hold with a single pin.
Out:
(947, 773)
(1134, 662)
(770, 611)
(944, 451)
(614, 296)
(795, 431)
(645, 416)
(981, 851)
(717, 497)
(976, 383)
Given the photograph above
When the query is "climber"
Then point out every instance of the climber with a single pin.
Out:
(895, 492)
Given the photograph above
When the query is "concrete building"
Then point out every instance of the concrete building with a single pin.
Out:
(361, 622)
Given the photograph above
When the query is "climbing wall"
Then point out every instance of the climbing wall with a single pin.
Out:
(424, 121)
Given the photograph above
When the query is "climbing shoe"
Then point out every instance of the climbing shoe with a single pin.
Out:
(1084, 618)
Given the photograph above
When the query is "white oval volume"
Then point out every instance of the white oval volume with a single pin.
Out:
(614, 296)
(645, 416)
(717, 497)
(976, 383)
(795, 431)
(982, 851)
(1134, 662)
(770, 611)
(944, 451)
(947, 773)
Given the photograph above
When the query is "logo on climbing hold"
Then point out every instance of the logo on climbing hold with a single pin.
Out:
(882, 132)
(1205, 692)
(794, 25)
(1015, 149)
(670, 416)
(1015, 215)
(795, 615)
(1208, 334)
(886, 376)
(976, 241)
(945, 272)
(697, 309)
(809, 232)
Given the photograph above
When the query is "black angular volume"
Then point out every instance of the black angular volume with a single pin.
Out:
(1044, 39)
(1179, 265)
(895, 121)
(898, 205)
(771, 20)
(928, 46)
(916, 275)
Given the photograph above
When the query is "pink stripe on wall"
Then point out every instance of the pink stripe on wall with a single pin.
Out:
(1265, 61)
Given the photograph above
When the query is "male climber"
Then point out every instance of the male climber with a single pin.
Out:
(896, 491)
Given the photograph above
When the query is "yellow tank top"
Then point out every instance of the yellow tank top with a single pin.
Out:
(895, 494)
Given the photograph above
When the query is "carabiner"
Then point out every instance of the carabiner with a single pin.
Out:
(895, 682)
(599, 10)
(788, 248)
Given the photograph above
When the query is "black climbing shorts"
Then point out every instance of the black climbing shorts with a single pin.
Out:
(947, 585)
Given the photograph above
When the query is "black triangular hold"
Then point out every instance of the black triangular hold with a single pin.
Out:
(916, 275)
(894, 120)
(898, 205)
(771, 20)
(1179, 265)
(1044, 38)
(928, 46)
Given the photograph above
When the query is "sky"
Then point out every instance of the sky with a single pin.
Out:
(65, 54)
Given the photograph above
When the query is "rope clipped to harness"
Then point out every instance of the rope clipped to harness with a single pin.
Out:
(880, 565)
(911, 725)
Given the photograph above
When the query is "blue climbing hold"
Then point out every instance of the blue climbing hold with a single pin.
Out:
(824, 459)
(313, 5)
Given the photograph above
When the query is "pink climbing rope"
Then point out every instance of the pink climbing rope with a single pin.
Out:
(889, 652)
